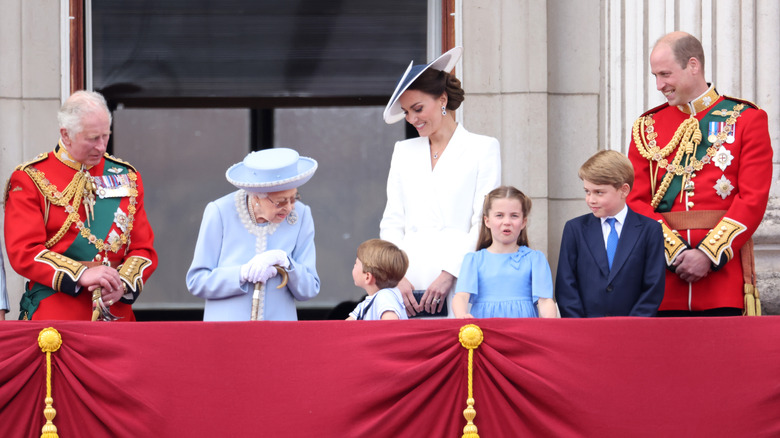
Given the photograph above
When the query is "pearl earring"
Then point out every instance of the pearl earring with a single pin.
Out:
(443, 111)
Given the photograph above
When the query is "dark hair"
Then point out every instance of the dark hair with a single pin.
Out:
(435, 82)
(503, 192)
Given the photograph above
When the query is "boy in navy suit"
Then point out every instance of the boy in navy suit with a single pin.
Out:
(611, 261)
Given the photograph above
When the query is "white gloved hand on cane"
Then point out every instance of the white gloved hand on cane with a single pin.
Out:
(261, 267)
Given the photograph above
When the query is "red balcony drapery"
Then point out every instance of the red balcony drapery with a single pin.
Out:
(612, 377)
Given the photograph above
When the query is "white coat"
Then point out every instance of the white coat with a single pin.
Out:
(435, 214)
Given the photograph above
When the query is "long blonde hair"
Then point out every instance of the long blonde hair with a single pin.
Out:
(503, 192)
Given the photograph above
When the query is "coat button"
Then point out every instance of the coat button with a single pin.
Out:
(609, 288)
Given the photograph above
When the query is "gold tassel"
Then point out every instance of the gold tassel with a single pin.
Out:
(470, 337)
(752, 301)
(49, 340)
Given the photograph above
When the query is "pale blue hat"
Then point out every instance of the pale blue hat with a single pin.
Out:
(271, 170)
(446, 62)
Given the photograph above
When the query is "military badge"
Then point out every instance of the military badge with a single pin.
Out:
(723, 187)
(121, 220)
(712, 135)
(112, 186)
(723, 158)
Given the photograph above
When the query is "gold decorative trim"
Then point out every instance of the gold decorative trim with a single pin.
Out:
(120, 161)
(470, 337)
(70, 198)
(718, 241)
(62, 265)
(688, 137)
(38, 158)
(49, 340)
(132, 272)
(701, 103)
(66, 158)
(673, 243)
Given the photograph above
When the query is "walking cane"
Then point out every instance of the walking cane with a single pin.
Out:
(101, 312)
(259, 294)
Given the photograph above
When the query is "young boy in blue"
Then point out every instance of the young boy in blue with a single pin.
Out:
(504, 278)
(379, 266)
(611, 261)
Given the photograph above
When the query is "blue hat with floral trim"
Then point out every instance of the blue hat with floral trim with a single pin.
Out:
(271, 170)
(446, 62)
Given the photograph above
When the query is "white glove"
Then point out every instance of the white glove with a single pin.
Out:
(266, 274)
(278, 257)
(257, 267)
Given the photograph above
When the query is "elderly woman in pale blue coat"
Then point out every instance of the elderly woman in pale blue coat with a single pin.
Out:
(246, 234)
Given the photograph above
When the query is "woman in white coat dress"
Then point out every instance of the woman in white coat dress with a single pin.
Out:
(245, 233)
(437, 182)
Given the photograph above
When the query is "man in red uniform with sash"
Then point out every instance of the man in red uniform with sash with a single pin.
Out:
(703, 165)
(75, 224)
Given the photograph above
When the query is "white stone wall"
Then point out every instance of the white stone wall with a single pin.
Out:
(29, 93)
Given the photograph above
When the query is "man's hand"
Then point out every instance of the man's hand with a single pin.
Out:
(692, 265)
(104, 277)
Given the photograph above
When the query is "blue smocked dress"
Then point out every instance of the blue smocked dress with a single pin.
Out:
(505, 285)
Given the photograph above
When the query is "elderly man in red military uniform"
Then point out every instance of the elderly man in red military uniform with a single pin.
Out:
(75, 224)
(703, 165)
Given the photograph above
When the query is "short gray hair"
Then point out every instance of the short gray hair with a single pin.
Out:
(76, 106)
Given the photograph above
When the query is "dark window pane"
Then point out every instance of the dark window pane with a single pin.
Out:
(254, 48)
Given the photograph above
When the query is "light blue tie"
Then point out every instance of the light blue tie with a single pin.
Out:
(612, 241)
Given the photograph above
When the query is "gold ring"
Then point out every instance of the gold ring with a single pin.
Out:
(110, 302)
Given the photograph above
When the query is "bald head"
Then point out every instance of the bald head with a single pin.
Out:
(684, 47)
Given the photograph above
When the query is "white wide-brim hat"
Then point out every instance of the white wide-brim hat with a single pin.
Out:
(446, 62)
(271, 170)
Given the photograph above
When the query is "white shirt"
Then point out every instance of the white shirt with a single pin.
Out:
(620, 219)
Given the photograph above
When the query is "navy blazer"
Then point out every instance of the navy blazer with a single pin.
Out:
(586, 287)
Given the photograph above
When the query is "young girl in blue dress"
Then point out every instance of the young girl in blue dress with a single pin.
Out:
(504, 278)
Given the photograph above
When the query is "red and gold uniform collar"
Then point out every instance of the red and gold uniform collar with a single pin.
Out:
(701, 103)
(64, 156)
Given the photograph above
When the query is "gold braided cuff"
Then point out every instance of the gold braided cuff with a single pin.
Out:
(718, 241)
(673, 243)
(132, 272)
(62, 266)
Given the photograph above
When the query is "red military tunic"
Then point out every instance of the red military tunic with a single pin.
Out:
(729, 171)
(51, 237)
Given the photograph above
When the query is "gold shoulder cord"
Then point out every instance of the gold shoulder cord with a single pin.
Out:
(70, 199)
(73, 192)
(688, 137)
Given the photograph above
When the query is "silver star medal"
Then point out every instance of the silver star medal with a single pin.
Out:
(723, 187)
(723, 158)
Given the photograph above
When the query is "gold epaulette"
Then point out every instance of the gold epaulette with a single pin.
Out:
(120, 161)
(718, 241)
(673, 243)
(654, 110)
(746, 102)
(42, 156)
